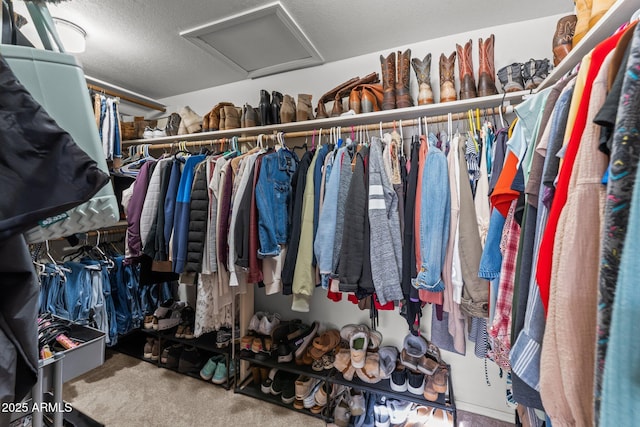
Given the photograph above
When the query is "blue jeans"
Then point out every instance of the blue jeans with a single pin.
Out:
(109, 305)
(435, 216)
(52, 293)
(77, 292)
(273, 195)
(120, 295)
(491, 261)
(131, 277)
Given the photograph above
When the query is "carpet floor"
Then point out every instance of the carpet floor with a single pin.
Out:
(129, 392)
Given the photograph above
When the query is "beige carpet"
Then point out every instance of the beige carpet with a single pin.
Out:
(129, 392)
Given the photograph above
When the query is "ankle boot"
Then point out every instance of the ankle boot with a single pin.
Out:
(487, 71)
(423, 75)
(403, 83)
(231, 117)
(534, 71)
(337, 109)
(447, 78)
(465, 66)
(304, 109)
(288, 110)
(355, 99)
(276, 104)
(563, 37)
(205, 122)
(583, 12)
(265, 108)
(511, 78)
(251, 117)
(221, 121)
(388, 65)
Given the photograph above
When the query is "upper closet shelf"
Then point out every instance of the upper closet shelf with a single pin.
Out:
(502, 99)
(619, 14)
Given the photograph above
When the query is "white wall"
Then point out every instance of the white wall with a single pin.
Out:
(514, 43)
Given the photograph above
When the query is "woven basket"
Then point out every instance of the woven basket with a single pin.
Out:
(128, 130)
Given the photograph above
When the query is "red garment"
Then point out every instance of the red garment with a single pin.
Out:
(432, 297)
(255, 264)
(545, 256)
(503, 195)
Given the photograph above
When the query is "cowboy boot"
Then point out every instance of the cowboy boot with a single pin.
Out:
(447, 79)
(403, 83)
(304, 110)
(511, 77)
(465, 66)
(487, 71)
(583, 12)
(355, 98)
(563, 38)
(265, 107)
(534, 72)
(288, 110)
(423, 75)
(276, 104)
(388, 65)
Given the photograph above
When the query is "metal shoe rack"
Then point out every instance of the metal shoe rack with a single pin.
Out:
(445, 401)
(132, 344)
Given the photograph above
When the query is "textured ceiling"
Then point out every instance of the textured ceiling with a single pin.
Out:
(135, 43)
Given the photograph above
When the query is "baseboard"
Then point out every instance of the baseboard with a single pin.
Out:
(487, 412)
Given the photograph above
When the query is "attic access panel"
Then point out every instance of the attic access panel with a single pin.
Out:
(257, 42)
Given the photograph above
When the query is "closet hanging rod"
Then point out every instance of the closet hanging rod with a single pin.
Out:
(301, 134)
(106, 232)
(126, 97)
(125, 94)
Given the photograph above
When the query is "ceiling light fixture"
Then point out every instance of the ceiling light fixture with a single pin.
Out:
(72, 35)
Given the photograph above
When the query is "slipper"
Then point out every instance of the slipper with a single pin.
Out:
(375, 339)
(327, 361)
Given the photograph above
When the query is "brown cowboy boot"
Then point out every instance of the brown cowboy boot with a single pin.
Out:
(388, 66)
(563, 38)
(403, 83)
(465, 66)
(447, 82)
(486, 72)
(423, 75)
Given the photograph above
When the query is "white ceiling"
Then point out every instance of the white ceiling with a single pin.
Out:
(136, 44)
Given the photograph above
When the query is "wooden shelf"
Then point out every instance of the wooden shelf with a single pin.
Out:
(397, 114)
(617, 15)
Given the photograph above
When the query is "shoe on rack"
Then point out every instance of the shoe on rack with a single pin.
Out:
(342, 413)
(358, 342)
(284, 353)
(172, 318)
(303, 341)
(148, 349)
(310, 400)
(188, 333)
(180, 331)
(190, 360)
(398, 410)
(511, 77)
(288, 395)
(155, 350)
(266, 384)
(429, 391)
(381, 415)
(222, 371)
(398, 380)
(171, 356)
(415, 382)
(278, 383)
(223, 337)
(254, 323)
(420, 416)
(440, 379)
(148, 321)
(268, 323)
(209, 368)
(148, 133)
(357, 404)
(303, 386)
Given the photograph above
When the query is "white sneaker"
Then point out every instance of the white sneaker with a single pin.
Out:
(148, 133)
(254, 323)
(159, 133)
(268, 323)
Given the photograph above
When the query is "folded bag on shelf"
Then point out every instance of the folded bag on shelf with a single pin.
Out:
(54, 177)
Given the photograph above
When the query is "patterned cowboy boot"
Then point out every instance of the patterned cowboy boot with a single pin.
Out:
(447, 78)
(465, 66)
(403, 83)
(487, 71)
(388, 65)
(563, 38)
(423, 75)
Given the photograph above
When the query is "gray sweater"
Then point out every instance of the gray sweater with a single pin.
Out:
(386, 241)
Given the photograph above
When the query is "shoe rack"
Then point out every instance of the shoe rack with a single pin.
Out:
(133, 343)
(445, 401)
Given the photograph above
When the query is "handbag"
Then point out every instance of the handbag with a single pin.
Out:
(60, 183)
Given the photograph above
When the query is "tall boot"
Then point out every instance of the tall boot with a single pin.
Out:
(388, 65)
(447, 78)
(403, 83)
(288, 110)
(563, 38)
(465, 66)
(265, 108)
(423, 75)
(276, 104)
(355, 98)
(487, 71)
(304, 110)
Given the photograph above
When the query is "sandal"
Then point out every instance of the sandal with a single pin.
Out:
(327, 361)
(317, 365)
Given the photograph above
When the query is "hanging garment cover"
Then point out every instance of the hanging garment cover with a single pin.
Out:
(44, 172)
